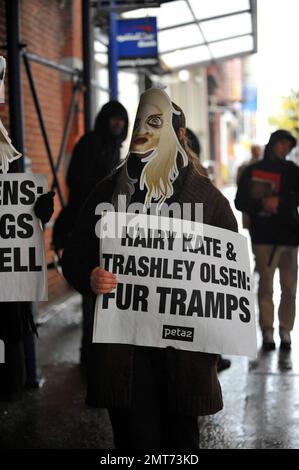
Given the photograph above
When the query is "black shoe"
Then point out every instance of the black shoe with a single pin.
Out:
(285, 346)
(268, 341)
(223, 364)
(285, 339)
(268, 346)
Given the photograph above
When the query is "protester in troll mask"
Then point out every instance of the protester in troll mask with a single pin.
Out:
(94, 157)
(153, 395)
(268, 191)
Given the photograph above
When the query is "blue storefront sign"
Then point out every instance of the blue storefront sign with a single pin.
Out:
(137, 42)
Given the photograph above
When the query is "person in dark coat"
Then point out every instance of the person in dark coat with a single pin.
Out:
(153, 395)
(94, 157)
(16, 320)
(97, 153)
(268, 191)
(17, 330)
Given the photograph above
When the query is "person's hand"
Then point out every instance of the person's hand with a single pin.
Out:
(44, 206)
(102, 281)
(270, 204)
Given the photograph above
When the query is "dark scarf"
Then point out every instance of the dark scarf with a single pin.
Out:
(135, 167)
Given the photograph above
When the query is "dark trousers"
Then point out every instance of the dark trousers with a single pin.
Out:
(30, 359)
(148, 424)
(12, 372)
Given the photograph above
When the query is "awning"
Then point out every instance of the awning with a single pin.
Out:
(198, 32)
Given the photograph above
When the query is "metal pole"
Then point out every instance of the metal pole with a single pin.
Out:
(15, 81)
(66, 131)
(86, 44)
(113, 79)
(52, 64)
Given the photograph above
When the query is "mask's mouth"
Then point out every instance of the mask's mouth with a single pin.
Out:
(140, 140)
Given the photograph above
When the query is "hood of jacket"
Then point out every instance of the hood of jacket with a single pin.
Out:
(277, 136)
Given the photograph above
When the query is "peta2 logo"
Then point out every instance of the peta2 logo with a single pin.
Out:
(181, 333)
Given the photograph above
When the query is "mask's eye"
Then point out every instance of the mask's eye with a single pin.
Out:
(155, 121)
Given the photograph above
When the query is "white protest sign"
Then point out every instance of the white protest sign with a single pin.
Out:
(180, 284)
(23, 271)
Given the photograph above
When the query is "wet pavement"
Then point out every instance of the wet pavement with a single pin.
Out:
(261, 397)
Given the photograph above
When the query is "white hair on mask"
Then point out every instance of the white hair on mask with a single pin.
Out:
(161, 169)
(7, 151)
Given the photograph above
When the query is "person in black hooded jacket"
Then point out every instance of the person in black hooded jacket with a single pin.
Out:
(269, 192)
(94, 157)
(97, 153)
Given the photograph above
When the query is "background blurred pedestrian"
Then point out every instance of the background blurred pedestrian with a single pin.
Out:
(269, 192)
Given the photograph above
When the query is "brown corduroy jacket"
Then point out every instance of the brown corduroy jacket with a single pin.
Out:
(192, 376)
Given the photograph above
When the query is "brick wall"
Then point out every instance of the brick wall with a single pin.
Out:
(51, 29)
(3, 107)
